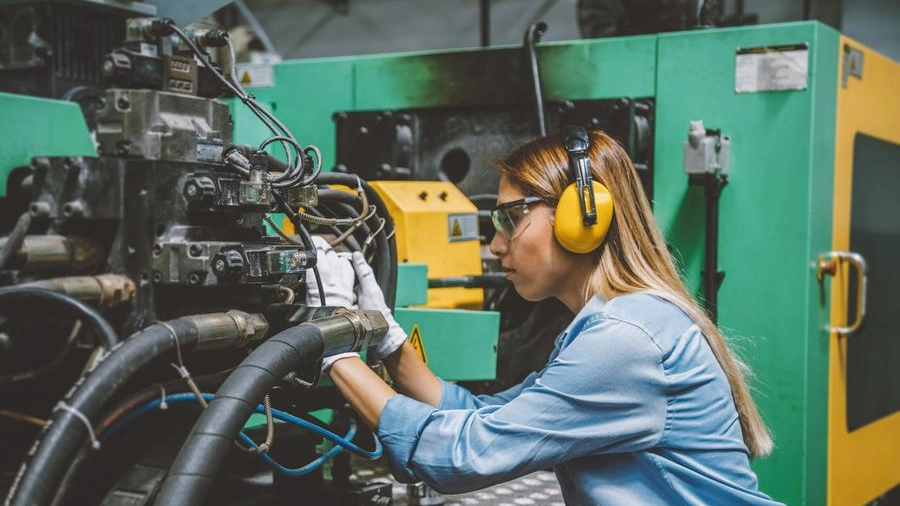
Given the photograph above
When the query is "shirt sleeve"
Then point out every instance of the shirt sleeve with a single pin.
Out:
(456, 397)
(604, 392)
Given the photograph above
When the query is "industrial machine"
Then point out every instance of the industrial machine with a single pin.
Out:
(141, 269)
(144, 197)
(778, 205)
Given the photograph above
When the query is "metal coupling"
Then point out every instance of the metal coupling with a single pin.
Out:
(105, 291)
(367, 327)
(227, 330)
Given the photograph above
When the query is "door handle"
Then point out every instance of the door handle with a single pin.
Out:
(828, 264)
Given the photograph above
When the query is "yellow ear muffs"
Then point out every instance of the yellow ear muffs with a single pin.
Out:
(568, 225)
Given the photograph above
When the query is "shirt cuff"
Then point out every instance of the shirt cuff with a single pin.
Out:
(454, 396)
(401, 423)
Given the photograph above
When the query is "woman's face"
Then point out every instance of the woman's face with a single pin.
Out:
(532, 259)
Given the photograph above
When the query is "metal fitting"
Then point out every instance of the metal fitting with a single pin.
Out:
(226, 330)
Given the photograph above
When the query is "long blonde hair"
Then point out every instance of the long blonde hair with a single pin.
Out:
(633, 257)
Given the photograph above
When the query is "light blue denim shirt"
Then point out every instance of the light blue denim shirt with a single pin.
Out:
(631, 409)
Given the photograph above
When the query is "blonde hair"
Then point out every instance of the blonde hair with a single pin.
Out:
(633, 256)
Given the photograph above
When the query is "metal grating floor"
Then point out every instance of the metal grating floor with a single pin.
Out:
(537, 489)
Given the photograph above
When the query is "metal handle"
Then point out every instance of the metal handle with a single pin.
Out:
(828, 264)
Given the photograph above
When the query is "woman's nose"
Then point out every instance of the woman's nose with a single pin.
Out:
(499, 244)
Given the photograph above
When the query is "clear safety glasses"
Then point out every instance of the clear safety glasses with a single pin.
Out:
(506, 216)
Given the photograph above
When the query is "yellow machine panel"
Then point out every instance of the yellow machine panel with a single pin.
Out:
(436, 225)
(864, 457)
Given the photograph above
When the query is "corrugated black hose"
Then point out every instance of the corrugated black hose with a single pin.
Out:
(60, 439)
(202, 455)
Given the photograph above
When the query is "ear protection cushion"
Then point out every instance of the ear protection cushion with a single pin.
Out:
(568, 226)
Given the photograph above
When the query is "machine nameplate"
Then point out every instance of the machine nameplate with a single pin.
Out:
(771, 68)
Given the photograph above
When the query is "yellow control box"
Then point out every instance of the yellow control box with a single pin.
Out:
(436, 225)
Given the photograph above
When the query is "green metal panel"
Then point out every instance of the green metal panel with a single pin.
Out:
(459, 345)
(499, 76)
(775, 215)
(412, 285)
(39, 127)
(305, 95)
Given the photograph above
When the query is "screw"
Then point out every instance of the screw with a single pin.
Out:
(157, 276)
(193, 278)
(195, 250)
(219, 265)
(191, 189)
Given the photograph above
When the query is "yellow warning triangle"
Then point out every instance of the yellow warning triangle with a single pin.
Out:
(415, 338)
(245, 78)
(457, 230)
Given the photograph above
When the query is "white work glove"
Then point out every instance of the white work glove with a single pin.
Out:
(370, 297)
(337, 277)
(327, 362)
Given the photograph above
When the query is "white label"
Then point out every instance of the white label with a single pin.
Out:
(462, 227)
(209, 151)
(771, 68)
(256, 75)
(148, 49)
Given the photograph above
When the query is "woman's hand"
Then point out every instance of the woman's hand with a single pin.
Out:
(371, 297)
(337, 277)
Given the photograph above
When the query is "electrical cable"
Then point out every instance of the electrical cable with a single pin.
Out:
(21, 417)
(234, 86)
(103, 331)
(305, 238)
(52, 365)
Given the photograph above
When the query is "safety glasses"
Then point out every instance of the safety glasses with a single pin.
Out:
(506, 216)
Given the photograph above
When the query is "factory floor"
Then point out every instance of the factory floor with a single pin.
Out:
(538, 489)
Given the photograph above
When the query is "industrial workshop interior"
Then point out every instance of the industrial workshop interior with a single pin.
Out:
(459, 252)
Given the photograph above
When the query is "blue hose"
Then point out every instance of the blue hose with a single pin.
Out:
(341, 442)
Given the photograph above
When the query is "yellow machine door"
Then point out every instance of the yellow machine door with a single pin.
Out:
(864, 369)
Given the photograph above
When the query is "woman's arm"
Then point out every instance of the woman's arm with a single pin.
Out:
(412, 377)
(367, 393)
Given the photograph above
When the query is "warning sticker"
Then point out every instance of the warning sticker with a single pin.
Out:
(256, 75)
(462, 227)
(415, 338)
(771, 68)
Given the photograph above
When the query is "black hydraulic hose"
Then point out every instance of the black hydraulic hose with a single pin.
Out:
(59, 441)
(103, 331)
(385, 242)
(194, 469)
(340, 196)
(15, 238)
(533, 36)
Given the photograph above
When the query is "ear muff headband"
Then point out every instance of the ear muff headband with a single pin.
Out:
(585, 208)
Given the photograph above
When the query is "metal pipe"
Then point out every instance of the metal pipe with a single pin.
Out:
(55, 253)
(533, 36)
(485, 18)
(105, 291)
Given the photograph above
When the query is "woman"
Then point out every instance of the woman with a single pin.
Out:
(641, 401)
